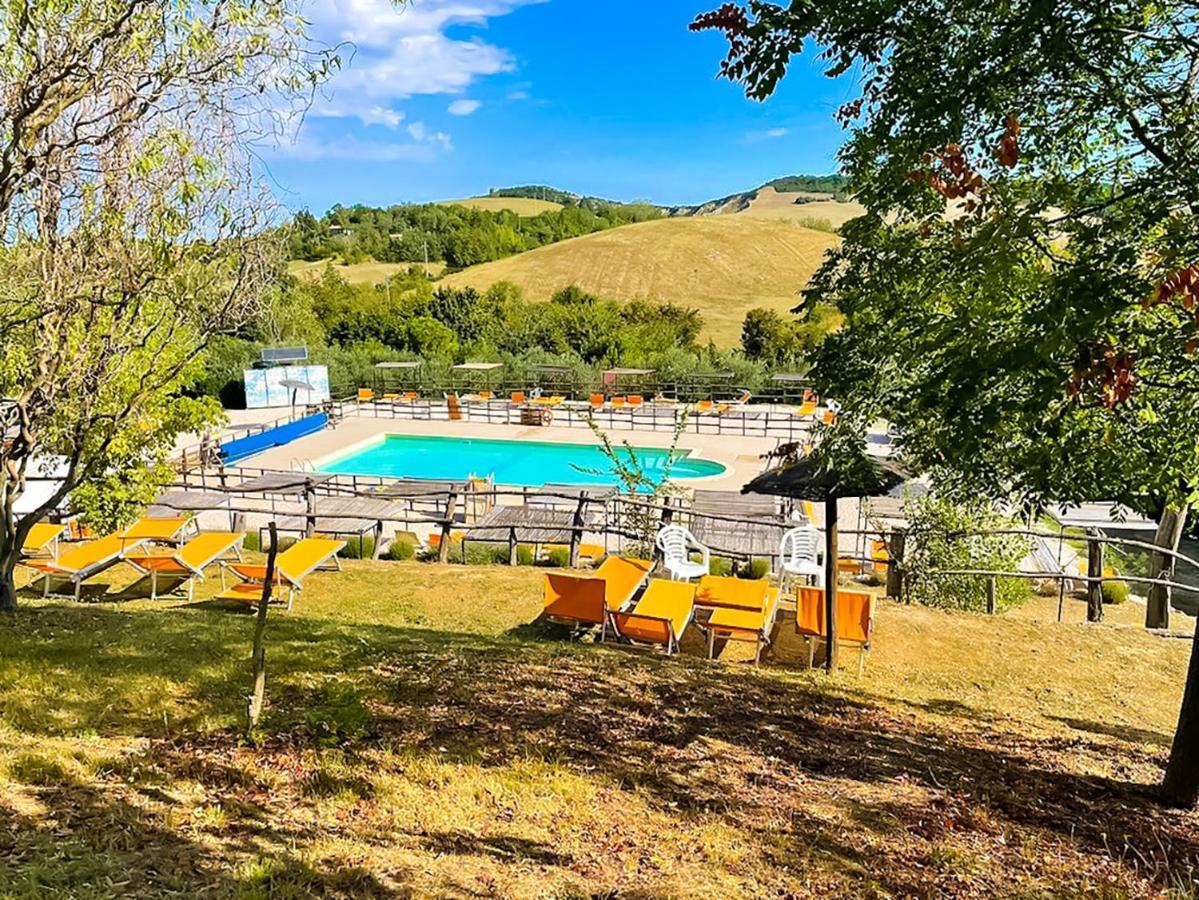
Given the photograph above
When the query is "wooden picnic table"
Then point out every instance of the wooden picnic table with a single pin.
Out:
(280, 483)
(523, 525)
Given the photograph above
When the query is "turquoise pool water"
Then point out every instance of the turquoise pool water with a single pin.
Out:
(523, 463)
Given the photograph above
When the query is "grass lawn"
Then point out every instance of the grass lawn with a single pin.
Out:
(425, 737)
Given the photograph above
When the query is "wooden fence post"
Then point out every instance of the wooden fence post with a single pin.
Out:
(257, 696)
(310, 503)
(576, 533)
(513, 547)
(443, 549)
(1094, 571)
(992, 590)
(895, 569)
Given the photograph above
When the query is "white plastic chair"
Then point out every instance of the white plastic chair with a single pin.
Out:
(676, 544)
(799, 554)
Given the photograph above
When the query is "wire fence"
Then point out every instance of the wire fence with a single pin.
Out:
(619, 519)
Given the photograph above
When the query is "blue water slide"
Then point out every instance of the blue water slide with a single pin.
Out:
(240, 449)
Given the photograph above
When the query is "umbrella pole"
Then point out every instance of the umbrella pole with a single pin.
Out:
(830, 583)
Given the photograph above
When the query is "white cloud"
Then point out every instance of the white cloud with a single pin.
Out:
(463, 107)
(372, 115)
(309, 149)
(518, 95)
(420, 133)
(769, 134)
(395, 52)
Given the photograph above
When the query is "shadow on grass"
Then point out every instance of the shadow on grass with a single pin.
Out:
(692, 736)
(82, 839)
(1123, 732)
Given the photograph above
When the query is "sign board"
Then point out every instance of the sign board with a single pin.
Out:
(266, 388)
(285, 355)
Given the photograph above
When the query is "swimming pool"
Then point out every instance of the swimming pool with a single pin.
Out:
(522, 463)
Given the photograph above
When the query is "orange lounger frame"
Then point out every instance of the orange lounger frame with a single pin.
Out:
(660, 617)
(365, 395)
(292, 566)
(749, 625)
(587, 599)
(855, 619)
(80, 563)
(190, 562)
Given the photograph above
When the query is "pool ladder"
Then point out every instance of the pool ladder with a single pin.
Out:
(302, 464)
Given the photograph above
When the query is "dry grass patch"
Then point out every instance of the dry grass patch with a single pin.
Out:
(722, 265)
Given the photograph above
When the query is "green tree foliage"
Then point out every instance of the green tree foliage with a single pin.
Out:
(461, 236)
(1020, 296)
(132, 230)
(778, 342)
(943, 537)
(837, 185)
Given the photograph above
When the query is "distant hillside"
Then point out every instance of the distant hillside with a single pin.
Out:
(721, 265)
(522, 206)
(802, 197)
(812, 209)
(837, 185)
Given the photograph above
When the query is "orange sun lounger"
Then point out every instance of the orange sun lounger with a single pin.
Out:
(42, 541)
(292, 566)
(660, 617)
(190, 561)
(80, 563)
(164, 530)
(743, 624)
(855, 619)
(587, 599)
(724, 592)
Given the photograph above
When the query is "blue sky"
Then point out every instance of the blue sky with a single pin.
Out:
(446, 98)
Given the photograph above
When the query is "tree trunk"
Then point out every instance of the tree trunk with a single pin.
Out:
(8, 587)
(830, 584)
(258, 658)
(1169, 533)
(1181, 784)
(13, 532)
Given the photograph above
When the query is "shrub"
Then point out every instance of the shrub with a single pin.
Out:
(559, 558)
(1115, 592)
(937, 542)
(721, 566)
(756, 570)
(252, 543)
(478, 554)
(400, 550)
(358, 548)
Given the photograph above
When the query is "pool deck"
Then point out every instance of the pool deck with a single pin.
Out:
(739, 455)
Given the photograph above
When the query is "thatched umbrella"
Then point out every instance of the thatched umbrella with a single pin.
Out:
(807, 479)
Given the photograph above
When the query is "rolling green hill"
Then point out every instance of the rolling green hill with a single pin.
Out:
(721, 265)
